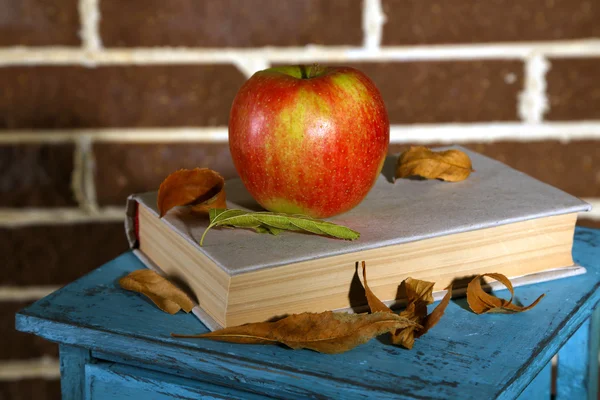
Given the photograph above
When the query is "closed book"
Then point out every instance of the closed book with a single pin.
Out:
(498, 220)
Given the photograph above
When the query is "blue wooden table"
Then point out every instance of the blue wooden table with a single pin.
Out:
(116, 345)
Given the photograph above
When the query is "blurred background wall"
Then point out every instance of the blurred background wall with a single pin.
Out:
(102, 98)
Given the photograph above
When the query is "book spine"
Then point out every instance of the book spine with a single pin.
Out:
(132, 227)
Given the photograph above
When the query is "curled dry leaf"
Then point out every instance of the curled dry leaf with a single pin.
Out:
(419, 295)
(432, 319)
(419, 291)
(163, 293)
(449, 165)
(406, 337)
(482, 302)
(375, 304)
(325, 332)
(200, 188)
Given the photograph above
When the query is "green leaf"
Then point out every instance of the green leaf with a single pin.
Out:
(268, 229)
(262, 229)
(274, 231)
(273, 223)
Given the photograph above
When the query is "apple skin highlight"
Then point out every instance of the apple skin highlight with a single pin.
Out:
(309, 140)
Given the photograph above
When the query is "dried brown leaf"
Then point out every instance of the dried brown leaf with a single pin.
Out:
(163, 293)
(406, 337)
(419, 294)
(432, 319)
(419, 291)
(200, 188)
(482, 302)
(375, 304)
(449, 165)
(325, 332)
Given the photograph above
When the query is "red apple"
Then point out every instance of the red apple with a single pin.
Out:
(308, 139)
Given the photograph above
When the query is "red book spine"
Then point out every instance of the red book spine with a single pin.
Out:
(136, 222)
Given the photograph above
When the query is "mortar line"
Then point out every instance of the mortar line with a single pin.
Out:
(25, 293)
(373, 20)
(413, 133)
(43, 367)
(594, 214)
(18, 217)
(82, 179)
(77, 174)
(311, 53)
(533, 102)
(250, 64)
(89, 166)
(89, 17)
(208, 134)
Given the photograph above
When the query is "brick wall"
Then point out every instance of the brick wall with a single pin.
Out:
(92, 89)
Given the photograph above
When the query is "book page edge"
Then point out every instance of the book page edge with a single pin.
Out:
(529, 279)
(130, 214)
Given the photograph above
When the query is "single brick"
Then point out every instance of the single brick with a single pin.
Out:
(39, 23)
(36, 175)
(231, 23)
(448, 91)
(57, 254)
(117, 96)
(462, 21)
(574, 89)
(22, 345)
(126, 168)
(38, 389)
(572, 167)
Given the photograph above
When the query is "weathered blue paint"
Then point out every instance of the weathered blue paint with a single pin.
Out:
(107, 381)
(72, 365)
(541, 386)
(577, 372)
(465, 356)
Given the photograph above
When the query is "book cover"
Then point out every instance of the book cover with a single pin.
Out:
(407, 210)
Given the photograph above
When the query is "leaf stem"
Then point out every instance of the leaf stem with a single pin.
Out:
(204, 234)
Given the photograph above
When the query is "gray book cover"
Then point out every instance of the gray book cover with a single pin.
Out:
(392, 213)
